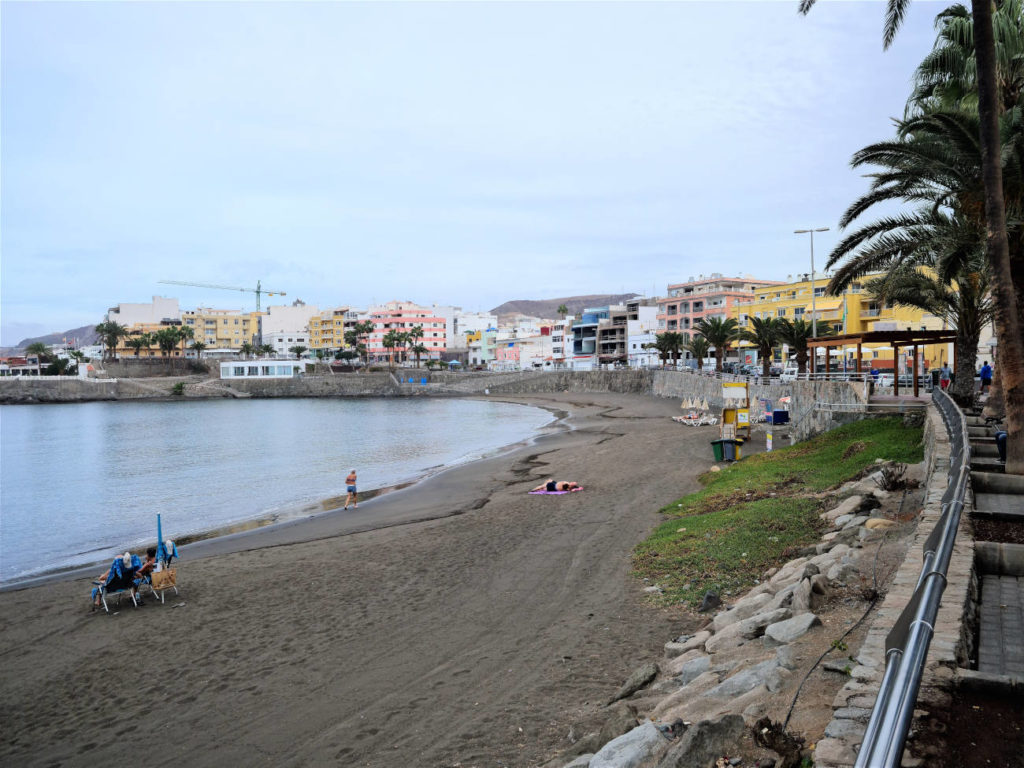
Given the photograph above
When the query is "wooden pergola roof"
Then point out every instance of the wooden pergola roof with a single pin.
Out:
(894, 339)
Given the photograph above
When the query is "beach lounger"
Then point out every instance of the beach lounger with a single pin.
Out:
(166, 578)
(120, 579)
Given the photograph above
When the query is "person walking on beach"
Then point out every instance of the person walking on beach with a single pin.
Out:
(350, 486)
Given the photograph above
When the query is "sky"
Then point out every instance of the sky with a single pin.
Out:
(352, 153)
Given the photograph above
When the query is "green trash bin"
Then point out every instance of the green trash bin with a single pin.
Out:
(716, 446)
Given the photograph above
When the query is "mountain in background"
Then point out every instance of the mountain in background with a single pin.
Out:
(85, 336)
(547, 309)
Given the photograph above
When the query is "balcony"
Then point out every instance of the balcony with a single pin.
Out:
(870, 312)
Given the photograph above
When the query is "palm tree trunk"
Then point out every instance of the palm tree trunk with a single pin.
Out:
(766, 362)
(1007, 280)
(966, 350)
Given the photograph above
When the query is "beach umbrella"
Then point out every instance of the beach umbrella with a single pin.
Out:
(161, 553)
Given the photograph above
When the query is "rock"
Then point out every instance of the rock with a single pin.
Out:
(735, 760)
(710, 601)
(679, 647)
(856, 522)
(786, 657)
(801, 597)
(840, 522)
(704, 743)
(848, 730)
(841, 572)
(744, 609)
(819, 584)
(652, 590)
(583, 761)
(785, 632)
(630, 749)
(694, 669)
(673, 666)
(847, 507)
(636, 681)
(869, 503)
(766, 673)
(620, 718)
(879, 523)
(765, 762)
(747, 629)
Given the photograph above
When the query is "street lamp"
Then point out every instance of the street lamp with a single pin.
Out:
(814, 306)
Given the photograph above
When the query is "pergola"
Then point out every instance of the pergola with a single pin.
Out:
(894, 339)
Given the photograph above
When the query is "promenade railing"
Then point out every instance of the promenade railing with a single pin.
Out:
(906, 646)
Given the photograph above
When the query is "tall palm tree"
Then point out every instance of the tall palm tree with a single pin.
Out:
(562, 311)
(795, 333)
(418, 349)
(110, 333)
(698, 347)
(765, 333)
(139, 342)
(247, 349)
(719, 332)
(663, 344)
(297, 350)
(391, 340)
(198, 347)
(361, 330)
(1007, 276)
(167, 339)
(39, 350)
(266, 349)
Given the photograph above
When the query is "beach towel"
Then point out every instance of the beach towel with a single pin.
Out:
(554, 493)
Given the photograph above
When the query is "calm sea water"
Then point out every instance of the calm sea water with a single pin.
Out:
(82, 482)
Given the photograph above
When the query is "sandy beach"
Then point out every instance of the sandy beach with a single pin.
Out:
(458, 622)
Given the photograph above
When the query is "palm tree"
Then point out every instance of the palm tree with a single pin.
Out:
(139, 342)
(719, 333)
(765, 333)
(39, 350)
(418, 349)
(966, 306)
(795, 333)
(698, 347)
(198, 347)
(391, 340)
(110, 333)
(167, 339)
(266, 349)
(247, 349)
(297, 350)
(663, 343)
(1007, 276)
(562, 311)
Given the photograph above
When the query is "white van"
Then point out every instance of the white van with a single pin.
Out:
(789, 374)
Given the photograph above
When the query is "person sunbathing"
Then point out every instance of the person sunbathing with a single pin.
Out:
(552, 486)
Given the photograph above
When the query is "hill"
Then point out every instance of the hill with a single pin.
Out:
(547, 309)
(85, 335)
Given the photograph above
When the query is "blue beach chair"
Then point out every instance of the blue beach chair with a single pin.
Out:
(120, 579)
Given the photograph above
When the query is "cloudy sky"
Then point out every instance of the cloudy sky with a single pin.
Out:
(453, 153)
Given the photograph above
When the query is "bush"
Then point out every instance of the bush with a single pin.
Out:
(178, 389)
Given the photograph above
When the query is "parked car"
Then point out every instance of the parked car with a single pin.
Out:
(789, 374)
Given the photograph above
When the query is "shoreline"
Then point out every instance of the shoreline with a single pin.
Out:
(302, 512)
(457, 620)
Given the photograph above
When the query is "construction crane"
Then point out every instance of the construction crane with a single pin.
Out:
(258, 290)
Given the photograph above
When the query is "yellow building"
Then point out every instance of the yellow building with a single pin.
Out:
(135, 330)
(855, 311)
(327, 330)
(223, 328)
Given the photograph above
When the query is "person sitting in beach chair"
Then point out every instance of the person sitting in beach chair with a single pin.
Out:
(120, 578)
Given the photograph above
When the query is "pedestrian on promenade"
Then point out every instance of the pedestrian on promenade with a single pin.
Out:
(350, 487)
(944, 377)
(985, 374)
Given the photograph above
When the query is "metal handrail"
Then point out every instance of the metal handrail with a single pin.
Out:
(906, 646)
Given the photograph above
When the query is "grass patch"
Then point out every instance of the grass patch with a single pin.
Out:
(757, 512)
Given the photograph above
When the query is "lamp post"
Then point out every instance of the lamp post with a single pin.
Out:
(814, 306)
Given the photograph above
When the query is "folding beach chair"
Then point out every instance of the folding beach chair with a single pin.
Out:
(120, 579)
(166, 578)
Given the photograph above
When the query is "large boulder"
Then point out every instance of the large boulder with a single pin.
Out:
(685, 643)
(766, 673)
(785, 632)
(747, 629)
(743, 609)
(631, 749)
(704, 743)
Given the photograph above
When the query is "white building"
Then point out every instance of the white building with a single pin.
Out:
(287, 319)
(261, 369)
(282, 341)
(154, 313)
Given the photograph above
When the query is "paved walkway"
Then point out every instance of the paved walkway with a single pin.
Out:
(1001, 639)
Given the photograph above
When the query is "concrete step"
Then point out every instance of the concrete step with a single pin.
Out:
(1000, 621)
(984, 450)
(987, 465)
(979, 432)
(998, 496)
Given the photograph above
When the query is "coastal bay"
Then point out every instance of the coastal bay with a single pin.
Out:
(457, 620)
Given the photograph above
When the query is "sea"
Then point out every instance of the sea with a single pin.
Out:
(81, 482)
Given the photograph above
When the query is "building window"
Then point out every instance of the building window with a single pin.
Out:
(780, 313)
(819, 291)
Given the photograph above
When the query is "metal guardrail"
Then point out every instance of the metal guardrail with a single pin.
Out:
(906, 646)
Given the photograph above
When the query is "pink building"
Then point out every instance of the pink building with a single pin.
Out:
(690, 302)
(401, 316)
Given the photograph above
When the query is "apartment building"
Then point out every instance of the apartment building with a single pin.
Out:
(223, 329)
(153, 313)
(855, 311)
(601, 335)
(402, 316)
(327, 328)
(688, 303)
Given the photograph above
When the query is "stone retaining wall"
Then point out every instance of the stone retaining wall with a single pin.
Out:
(852, 704)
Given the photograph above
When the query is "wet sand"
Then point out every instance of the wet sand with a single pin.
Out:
(457, 621)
